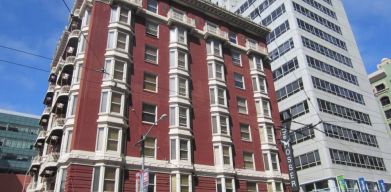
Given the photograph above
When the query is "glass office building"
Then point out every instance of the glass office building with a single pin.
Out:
(18, 133)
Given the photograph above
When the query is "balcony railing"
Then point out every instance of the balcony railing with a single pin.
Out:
(74, 33)
(254, 46)
(70, 60)
(36, 159)
(65, 89)
(215, 31)
(47, 110)
(52, 157)
(59, 122)
(175, 16)
(41, 134)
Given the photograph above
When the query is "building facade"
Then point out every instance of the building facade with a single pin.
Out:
(122, 66)
(381, 83)
(18, 132)
(320, 77)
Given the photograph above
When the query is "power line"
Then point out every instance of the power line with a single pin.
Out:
(23, 65)
(25, 52)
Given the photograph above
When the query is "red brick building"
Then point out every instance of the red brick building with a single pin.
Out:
(122, 65)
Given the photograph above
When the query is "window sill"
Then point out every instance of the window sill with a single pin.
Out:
(149, 91)
(151, 62)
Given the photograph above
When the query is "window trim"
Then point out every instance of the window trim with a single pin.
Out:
(175, 65)
(252, 160)
(109, 98)
(156, 50)
(177, 151)
(105, 140)
(178, 186)
(248, 131)
(117, 15)
(156, 83)
(218, 119)
(245, 105)
(109, 71)
(243, 87)
(233, 52)
(157, 7)
(176, 118)
(101, 179)
(115, 41)
(142, 112)
(149, 22)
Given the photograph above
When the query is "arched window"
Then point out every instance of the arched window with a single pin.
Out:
(385, 101)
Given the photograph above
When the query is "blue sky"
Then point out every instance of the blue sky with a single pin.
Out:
(36, 25)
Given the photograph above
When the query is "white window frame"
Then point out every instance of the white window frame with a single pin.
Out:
(217, 130)
(174, 87)
(155, 147)
(245, 103)
(116, 13)
(156, 82)
(265, 133)
(148, 23)
(252, 160)
(156, 51)
(242, 81)
(66, 141)
(78, 69)
(59, 179)
(109, 102)
(81, 46)
(157, 6)
(105, 139)
(142, 111)
(249, 132)
(212, 70)
(175, 111)
(174, 62)
(223, 181)
(215, 96)
(101, 178)
(254, 65)
(220, 155)
(72, 106)
(266, 111)
(115, 41)
(254, 182)
(178, 182)
(177, 149)
(259, 84)
(175, 34)
(236, 37)
(233, 52)
(269, 160)
(274, 184)
(109, 69)
(86, 18)
(212, 43)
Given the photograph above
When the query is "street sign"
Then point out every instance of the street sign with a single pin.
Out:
(342, 183)
(382, 185)
(362, 184)
(286, 144)
(142, 180)
(145, 181)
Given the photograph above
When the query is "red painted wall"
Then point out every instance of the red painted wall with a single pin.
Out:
(84, 131)
(13, 182)
(79, 178)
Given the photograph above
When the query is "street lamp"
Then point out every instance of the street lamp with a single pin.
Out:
(142, 141)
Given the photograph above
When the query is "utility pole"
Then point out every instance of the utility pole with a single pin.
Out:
(142, 142)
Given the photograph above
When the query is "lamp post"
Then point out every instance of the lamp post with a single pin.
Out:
(142, 141)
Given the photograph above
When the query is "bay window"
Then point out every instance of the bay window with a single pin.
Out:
(220, 124)
(109, 139)
(178, 35)
(120, 14)
(178, 59)
(180, 149)
(216, 70)
(111, 102)
(77, 73)
(181, 182)
(271, 161)
(225, 184)
(214, 47)
(66, 141)
(73, 105)
(118, 40)
(259, 84)
(223, 155)
(115, 69)
(256, 63)
(218, 96)
(106, 179)
(178, 86)
(180, 116)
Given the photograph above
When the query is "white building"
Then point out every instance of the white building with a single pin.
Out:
(319, 76)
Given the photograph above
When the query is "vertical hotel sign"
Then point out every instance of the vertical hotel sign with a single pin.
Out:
(286, 144)
(342, 184)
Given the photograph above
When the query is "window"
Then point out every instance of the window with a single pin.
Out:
(117, 40)
(297, 110)
(385, 101)
(151, 54)
(72, 109)
(285, 69)
(290, 89)
(178, 86)
(277, 32)
(152, 184)
(266, 161)
(269, 134)
(178, 35)
(239, 80)
(77, 73)
(245, 132)
(149, 147)
(233, 38)
(178, 59)
(62, 174)
(380, 87)
(182, 150)
(274, 161)
(216, 70)
(225, 183)
(114, 105)
(388, 113)
(226, 155)
(150, 82)
(108, 139)
(220, 124)
(179, 116)
(67, 141)
(256, 63)
(251, 187)
(152, 28)
(248, 159)
(120, 14)
(105, 179)
(180, 182)
(152, 5)
(213, 47)
(81, 45)
(149, 113)
(326, 52)
(346, 134)
(114, 70)
(218, 96)
(273, 15)
(266, 108)
(282, 49)
(307, 160)
(236, 58)
(258, 84)
(242, 105)
(86, 18)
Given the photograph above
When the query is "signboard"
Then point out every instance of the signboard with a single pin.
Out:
(142, 181)
(362, 184)
(343, 187)
(286, 144)
(382, 185)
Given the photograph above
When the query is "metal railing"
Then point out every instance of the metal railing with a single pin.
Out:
(59, 122)
(215, 31)
(65, 89)
(252, 45)
(181, 17)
